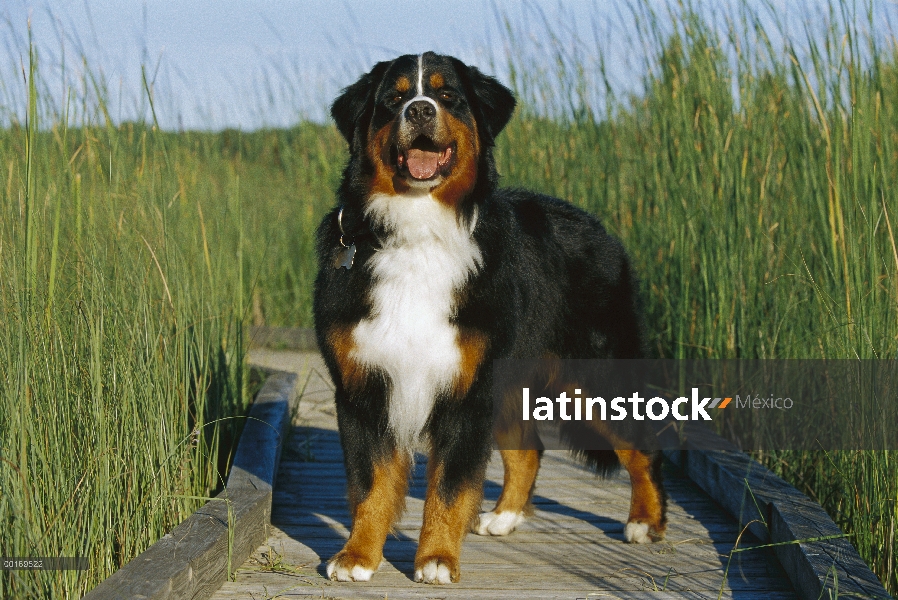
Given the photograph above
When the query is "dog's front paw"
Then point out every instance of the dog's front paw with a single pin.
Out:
(348, 566)
(442, 569)
(641, 533)
(501, 523)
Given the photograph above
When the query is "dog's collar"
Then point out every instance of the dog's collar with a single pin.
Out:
(346, 254)
(342, 232)
(349, 238)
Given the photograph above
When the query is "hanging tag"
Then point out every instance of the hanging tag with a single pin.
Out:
(345, 257)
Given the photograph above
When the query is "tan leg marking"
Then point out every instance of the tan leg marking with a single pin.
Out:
(521, 467)
(645, 522)
(520, 457)
(444, 528)
(372, 520)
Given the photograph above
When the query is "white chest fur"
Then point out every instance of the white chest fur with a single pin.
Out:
(424, 261)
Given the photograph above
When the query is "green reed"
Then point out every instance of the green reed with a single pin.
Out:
(121, 343)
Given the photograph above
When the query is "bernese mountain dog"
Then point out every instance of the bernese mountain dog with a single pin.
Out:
(428, 273)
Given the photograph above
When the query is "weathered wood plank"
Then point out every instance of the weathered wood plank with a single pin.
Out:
(559, 518)
(607, 532)
(778, 513)
(395, 577)
(559, 493)
(658, 561)
(289, 589)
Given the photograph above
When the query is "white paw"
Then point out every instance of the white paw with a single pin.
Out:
(338, 572)
(433, 572)
(493, 523)
(637, 533)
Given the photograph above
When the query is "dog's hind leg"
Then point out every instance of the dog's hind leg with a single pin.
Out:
(372, 519)
(521, 467)
(648, 500)
(521, 450)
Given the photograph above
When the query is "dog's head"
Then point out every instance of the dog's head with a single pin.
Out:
(423, 122)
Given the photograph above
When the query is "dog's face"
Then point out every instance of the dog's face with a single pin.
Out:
(423, 122)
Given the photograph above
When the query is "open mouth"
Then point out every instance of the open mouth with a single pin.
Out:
(425, 160)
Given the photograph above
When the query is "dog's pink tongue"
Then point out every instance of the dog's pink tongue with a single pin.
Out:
(422, 164)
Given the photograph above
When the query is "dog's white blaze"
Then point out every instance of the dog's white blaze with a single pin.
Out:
(426, 258)
(419, 96)
(420, 74)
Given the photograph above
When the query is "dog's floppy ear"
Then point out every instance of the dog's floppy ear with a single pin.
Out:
(349, 108)
(494, 101)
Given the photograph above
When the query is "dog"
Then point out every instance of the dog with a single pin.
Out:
(428, 272)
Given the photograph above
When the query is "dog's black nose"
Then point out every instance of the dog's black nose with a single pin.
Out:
(420, 112)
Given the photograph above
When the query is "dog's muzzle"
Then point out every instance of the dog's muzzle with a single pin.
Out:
(419, 152)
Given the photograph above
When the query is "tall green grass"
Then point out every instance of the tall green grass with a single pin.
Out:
(121, 340)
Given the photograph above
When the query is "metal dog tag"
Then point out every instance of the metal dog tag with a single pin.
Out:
(345, 257)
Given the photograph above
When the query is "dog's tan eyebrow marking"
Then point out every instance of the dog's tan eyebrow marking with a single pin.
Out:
(436, 81)
(403, 84)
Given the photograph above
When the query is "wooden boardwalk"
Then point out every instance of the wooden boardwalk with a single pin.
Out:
(571, 548)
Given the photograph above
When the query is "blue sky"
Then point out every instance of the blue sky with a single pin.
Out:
(217, 63)
(216, 58)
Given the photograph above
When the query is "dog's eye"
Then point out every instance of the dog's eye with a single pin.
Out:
(447, 96)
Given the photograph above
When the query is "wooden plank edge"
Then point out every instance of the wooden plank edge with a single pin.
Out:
(193, 560)
(283, 338)
(777, 513)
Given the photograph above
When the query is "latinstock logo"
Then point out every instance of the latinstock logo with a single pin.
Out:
(692, 408)
(758, 404)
